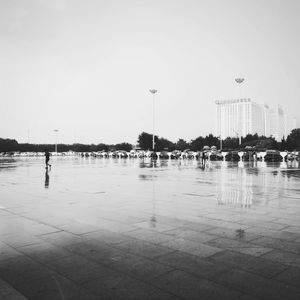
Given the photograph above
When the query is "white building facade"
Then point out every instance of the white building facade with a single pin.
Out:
(240, 117)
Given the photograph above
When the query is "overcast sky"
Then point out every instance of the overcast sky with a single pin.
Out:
(85, 67)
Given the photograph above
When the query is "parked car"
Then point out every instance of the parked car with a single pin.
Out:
(232, 156)
(216, 155)
(273, 155)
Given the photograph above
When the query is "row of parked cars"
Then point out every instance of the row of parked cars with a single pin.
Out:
(268, 156)
(211, 154)
(207, 153)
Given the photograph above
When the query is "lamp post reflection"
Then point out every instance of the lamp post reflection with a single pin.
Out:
(153, 220)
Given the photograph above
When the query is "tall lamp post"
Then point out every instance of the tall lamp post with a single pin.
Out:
(56, 131)
(220, 138)
(239, 81)
(153, 92)
(239, 136)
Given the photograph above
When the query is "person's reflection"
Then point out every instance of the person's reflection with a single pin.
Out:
(47, 179)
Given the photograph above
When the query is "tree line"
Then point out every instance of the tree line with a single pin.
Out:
(290, 143)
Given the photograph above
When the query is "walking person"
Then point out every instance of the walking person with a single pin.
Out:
(47, 156)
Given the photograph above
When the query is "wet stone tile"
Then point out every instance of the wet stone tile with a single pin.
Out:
(187, 286)
(44, 252)
(274, 243)
(21, 240)
(149, 236)
(107, 237)
(145, 270)
(249, 263)
(61, 238)
(258, 286)
(291, 275)
(159, 227)
(142, 248)
(78, 228)
(238, 246)
(195, 248)
(198, 226)
(7, 292)
(191, 235)
(238, 235)
(8, 252)
(117, 286)
(197, 266)
(283, 257)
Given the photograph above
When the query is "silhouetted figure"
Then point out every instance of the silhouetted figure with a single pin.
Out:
(203, 157)
(47, 178)
(47, 156)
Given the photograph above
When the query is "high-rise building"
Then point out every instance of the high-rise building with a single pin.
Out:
(240, 117)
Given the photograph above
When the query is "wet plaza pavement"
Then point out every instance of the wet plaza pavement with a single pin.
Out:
(91, 228)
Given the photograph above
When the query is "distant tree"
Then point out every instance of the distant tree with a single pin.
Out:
(231, 143)
(164, 144)
(123, 146)
(181, 145)
(293, 140)
(197, 144)
(8, 145)
(145, 141)
(81, 148)
(211, 140)
(102, 147)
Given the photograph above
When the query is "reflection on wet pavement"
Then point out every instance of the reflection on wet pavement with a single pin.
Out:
(140, 229)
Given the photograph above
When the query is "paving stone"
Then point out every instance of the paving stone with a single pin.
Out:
(52, 287)
(150, 236)
(198, 226)
(44, 252)
(239, 246)
(258, 286)
(189, 234)
(117, 286)
(7, 292)
(61, 238)
(21, 240)
(159, 227)
(274, 243)
(143, 248)
(144, 269)
(68, 242)
(283, 235)
(195, 248)
(95, 251)
(22, 267)
(192, 264)
(78, 268)
(249, 263)
(8, 252)
(116, 227)
(283, 257)
(107, 237)
(290, 276)
(78, 228)
(187, 286)
(238, 235)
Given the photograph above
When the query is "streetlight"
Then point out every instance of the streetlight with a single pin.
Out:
(56, 131)
(153, 92)
(220, 137)
(239, 136)
(239, 81)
